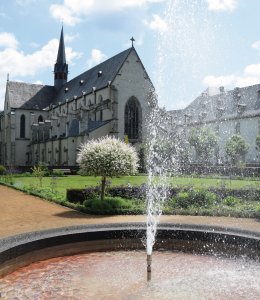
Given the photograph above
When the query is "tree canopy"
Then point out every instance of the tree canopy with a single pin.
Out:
(107, 157)
(204, 141)
(236, 147)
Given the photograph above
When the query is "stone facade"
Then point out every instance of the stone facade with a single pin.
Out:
(226, 113)
(48, 123)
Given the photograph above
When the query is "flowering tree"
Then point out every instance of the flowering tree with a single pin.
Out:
(107, 157)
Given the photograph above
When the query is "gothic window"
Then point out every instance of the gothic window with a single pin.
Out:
(40, 119)
(22, 126)
(132, 119)
(100, 99)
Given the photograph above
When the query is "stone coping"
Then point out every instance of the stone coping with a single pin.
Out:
(23, 238)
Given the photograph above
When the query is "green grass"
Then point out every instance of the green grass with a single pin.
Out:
(78, 182)
(57, 194)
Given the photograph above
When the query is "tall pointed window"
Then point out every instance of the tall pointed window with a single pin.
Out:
(22, 126)
(132, 119)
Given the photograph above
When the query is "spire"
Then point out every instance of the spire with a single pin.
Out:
(61, 67)
(61, 57)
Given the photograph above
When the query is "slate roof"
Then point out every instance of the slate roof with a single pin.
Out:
(92, 78)
(29, 96)
(35, 96)
(226, 103)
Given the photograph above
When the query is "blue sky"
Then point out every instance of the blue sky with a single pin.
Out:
(185, 45)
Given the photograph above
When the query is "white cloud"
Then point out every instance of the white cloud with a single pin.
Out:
(222, 5)
(72, 11)
(157, 24)
(19, 64)
(8, 40)
(256, 45)
(96, 57)
(250, 76)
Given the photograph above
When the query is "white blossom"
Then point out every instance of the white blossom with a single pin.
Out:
(107, 157)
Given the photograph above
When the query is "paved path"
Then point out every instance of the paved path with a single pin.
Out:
(21, 213)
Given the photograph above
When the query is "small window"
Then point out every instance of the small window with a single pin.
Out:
(40, 119)
(22, 126)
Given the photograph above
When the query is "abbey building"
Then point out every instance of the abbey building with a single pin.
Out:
(48, 123)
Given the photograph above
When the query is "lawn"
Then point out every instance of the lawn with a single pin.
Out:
(79, 182)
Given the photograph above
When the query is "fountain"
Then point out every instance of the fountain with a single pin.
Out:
(108, 261)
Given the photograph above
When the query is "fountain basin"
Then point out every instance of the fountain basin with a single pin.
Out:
(21, 250)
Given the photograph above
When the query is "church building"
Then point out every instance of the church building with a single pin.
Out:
(47, 124)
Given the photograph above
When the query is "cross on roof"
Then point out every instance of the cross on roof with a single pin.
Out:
(132, 40)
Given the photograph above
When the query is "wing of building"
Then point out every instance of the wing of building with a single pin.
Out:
(226, 113)
(48, 123)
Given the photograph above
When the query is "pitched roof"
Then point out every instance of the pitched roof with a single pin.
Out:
(97, 77)
(225, 105)
(29, 96)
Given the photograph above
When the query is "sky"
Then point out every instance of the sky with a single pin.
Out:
(185, 45)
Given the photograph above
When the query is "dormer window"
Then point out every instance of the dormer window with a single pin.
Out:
(81, 82)
(99, 73)
(66, 89)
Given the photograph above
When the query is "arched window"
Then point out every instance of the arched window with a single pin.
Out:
(22, 126)
(40, 119)
(100, 99)
(132, 119)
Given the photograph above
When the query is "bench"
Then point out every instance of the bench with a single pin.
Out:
(65, 171)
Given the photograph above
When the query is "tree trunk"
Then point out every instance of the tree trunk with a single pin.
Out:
(103, 186)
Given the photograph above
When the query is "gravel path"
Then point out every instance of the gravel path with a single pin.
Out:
(21, 213)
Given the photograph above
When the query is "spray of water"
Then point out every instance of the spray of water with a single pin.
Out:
(184, 49)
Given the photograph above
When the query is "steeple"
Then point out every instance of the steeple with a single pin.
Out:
(61, 67)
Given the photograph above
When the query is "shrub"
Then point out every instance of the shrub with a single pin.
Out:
(58, 173)
(110, 204)
(231, 201)
(196, 198)
(2, 170)
(182, 200)
(203, 198)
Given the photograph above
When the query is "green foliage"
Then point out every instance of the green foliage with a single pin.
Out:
(195, 198)
(2, 170)
(236, 148)
(142, 154)
(204, 141)
(38, 172)
(257, 142)
(231, 201)
(109, 204)
(58, 173)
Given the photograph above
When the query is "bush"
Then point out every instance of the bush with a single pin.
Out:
(128, 192)
(58, 173)
(231, 201)
(196, 198)
(80, 195)
(108, 204)
(2, 170)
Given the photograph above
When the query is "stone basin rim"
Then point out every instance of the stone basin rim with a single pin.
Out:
(9, 242)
